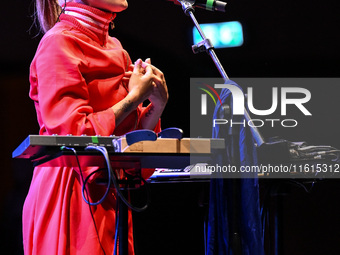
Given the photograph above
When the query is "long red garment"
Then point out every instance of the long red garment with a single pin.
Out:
(76, 76)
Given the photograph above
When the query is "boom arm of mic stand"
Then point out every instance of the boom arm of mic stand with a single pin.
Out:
(207, 46)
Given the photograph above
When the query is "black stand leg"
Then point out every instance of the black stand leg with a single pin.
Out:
(233, 135)
(124, 206)
(236, 244)
(123, 227)
(277, 214)
(277, 225)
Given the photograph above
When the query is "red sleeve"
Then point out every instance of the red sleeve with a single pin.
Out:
(62, 97)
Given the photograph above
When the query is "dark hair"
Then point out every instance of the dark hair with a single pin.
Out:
(47, 13)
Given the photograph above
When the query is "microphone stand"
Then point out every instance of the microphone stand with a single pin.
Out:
(233, 133)
(207, 46)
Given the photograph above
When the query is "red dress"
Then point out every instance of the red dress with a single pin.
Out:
(76, 76)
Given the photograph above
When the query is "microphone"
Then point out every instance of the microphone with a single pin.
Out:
(210, 5)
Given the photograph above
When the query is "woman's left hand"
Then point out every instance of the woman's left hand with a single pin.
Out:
(159, 96)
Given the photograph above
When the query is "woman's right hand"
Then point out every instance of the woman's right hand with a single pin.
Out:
(140, 88)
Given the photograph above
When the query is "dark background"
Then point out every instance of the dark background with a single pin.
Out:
(282, 39)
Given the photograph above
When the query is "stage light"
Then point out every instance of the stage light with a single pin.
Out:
(222, 35)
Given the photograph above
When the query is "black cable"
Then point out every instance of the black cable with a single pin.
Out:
(87, 195)
(106, 192)
(111, 177)
(265, 208)
(114, 180)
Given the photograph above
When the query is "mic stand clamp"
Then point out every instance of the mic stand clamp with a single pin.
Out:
(186, 6)
(202, 46)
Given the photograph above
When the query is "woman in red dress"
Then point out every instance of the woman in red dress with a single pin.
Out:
(83, 83)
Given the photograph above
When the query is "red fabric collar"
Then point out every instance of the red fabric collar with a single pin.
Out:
(93, 22)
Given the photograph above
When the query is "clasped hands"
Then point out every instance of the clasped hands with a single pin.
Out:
(147, 82)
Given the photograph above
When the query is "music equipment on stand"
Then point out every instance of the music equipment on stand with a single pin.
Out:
(45, 150)
(168, 153)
